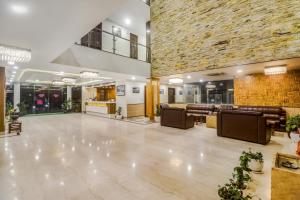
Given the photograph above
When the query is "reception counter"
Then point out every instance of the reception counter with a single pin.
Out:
(101, 107)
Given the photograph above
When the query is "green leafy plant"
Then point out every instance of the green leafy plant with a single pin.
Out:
(9, 109)
(119, 111)
(246, 157)
(22, 108)
(231, 191)
(67, 106)
(157, 110)
(292, 123)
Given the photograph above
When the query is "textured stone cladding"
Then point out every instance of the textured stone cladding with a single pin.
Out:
(275, 90)
(194, 35)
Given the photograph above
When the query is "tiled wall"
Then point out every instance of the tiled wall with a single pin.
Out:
(193, 35)
(276, 90)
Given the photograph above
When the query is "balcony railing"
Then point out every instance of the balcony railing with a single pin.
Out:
(113, 43)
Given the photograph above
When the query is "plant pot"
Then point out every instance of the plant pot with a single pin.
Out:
(295, 137)
(119, 117)
(14, 117)
(256, 166)
(157, 118)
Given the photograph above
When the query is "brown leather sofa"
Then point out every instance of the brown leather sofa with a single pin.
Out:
(203, 109)
(175, 117)
(243, 125)
(276, 116)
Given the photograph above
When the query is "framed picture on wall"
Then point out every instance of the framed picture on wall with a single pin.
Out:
(135, 90)
(121, 90)
(162, 91)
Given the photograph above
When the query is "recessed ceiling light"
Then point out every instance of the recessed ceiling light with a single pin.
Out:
(61, 73)
(19, 9)
(133, 78)
(16, 67)
(14, 72)
(239, 71)
(37, 80)
(189, 77)
(10, 63)
(148, 31)
(127, 21)
(200, 80)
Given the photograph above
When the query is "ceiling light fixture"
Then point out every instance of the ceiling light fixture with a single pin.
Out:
(239, 71)
(275, 70)
(201, 81)
(60, 73)
(88, 75)
(14, 54)
(16, 67)
(69, 80)
(19, 9)
(133, 78)
(10, 63)
(127, 21)
(176, 80)
(189, 77)
(58, 82)
(148, 31)
(14, 72)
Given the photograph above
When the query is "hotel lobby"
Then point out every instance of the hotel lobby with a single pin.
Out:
(160, 99)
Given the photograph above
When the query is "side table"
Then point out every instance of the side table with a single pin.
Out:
(15, 126)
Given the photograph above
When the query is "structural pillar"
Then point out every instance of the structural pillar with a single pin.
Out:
(69, 92)
(2, 100)
(152, 97)
(17, 95)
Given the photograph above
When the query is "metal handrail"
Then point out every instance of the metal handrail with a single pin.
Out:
(90, 44)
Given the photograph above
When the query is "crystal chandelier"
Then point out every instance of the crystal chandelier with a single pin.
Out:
(69, 80)
(86, 75)
(14, 54)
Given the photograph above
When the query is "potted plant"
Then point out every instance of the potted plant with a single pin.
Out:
(157, 114)
(119, 113)
(231, 191)
(292, 125)
(22, 108)
(67, 106)
(250, 161)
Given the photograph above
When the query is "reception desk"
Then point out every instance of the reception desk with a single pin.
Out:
(101, 107)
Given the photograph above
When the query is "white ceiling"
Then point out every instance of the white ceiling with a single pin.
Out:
(137, 11)
(49, 27)
(232, 72)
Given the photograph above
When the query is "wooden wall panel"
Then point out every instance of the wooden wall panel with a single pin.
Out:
(276, 90)
(135, 110)
(2, 100)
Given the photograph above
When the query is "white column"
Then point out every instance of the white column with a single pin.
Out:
(16, 94)
(69, 92)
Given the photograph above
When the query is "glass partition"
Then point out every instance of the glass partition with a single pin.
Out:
(40, 98)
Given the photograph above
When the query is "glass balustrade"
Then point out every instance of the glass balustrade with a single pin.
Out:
(113, 43)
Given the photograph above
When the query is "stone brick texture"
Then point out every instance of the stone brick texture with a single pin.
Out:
(275, 90)
(195, 35)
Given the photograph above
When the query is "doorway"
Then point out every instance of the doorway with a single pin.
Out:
(133, 46)
(171, 95)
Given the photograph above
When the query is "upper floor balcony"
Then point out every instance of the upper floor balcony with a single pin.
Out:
(117, 42)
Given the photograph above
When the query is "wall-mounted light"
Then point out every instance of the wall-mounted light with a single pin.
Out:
(275, 70)
(176, 80)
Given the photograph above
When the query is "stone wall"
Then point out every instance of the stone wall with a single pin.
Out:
(194, 35)
(276, 90)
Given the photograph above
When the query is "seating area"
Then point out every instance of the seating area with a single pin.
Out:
(249, 123)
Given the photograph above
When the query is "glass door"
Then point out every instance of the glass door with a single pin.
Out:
(41, 99)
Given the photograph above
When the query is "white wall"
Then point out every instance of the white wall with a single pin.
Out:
(178, 98)
(130, 97)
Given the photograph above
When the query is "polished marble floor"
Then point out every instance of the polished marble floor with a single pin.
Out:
(83, 157)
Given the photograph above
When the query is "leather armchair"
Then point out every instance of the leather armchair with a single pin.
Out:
(175, 117)
(243, 125)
